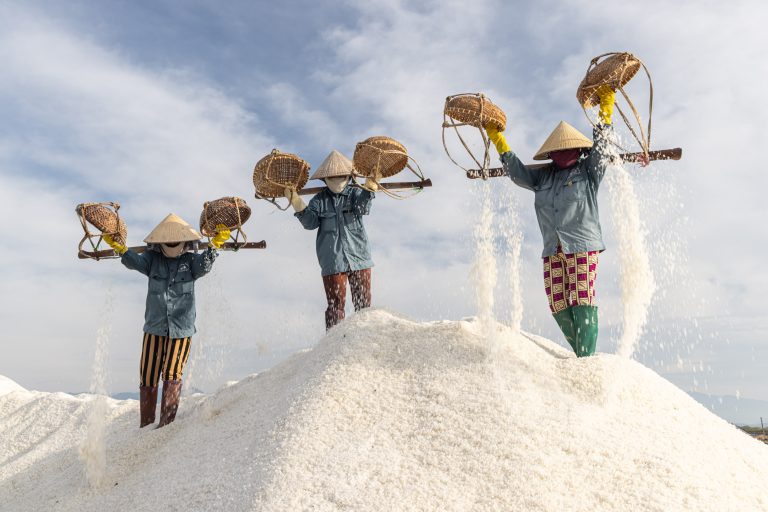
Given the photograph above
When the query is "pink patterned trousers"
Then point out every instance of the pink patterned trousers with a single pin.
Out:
(569, 279)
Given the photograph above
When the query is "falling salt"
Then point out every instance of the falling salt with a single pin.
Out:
(510, 296)
(637, 280)
(92, 450)
(217, 328)
(484, 272)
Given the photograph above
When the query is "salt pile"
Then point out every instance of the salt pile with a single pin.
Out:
(389, 414)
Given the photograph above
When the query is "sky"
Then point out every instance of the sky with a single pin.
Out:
(164, 105)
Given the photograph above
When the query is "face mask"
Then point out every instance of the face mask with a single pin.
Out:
(337, 183)
(565, 158)
(173, 251)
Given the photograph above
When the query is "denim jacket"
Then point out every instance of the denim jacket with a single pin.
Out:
(170, 309)
(342, 243)
(566, 199)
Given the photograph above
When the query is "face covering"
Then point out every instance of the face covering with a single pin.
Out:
(173, 250)
(565, 158)
(337, 183)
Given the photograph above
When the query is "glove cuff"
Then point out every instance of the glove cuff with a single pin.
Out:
(501, 144)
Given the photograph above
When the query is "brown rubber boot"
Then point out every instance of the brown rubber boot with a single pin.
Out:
(147, 405)
(170, 402)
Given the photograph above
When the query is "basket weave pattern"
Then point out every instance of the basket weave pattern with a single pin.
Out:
(279, 170)
(380, 155)
(105, 220)
(475, 110)
(615, 72)
(230, 211)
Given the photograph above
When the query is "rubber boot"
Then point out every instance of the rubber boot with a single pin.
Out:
(147, 405)
(170, 402)
(585, 319)
(564, 319)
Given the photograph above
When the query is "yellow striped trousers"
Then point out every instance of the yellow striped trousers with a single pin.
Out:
(162, 354)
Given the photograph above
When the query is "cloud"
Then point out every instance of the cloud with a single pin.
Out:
(89, 119)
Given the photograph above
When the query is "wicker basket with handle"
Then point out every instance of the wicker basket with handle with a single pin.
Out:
(380, 156)
(615, 71)
(472, 109)
(104, 217)
(475, 110)
(279, 170)
(233, 212)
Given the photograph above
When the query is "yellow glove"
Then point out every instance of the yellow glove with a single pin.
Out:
(117, 247)
(497, 138)
(296, 201)
(222, 235)
(607, 99)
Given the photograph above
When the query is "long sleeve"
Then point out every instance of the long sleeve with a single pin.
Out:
(309, 216)
(203, 263)
(521, 175)
(135, 261)
(361, 201)
(599, 156)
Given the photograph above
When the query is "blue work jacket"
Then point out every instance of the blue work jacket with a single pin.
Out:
(170, 309)
(342, 243)
(566, 199)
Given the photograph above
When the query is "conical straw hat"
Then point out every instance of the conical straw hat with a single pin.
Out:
(335, 164)
(172, 229)
(564, 136)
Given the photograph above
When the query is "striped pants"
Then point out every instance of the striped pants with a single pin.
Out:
(569, 279)
(162, 354)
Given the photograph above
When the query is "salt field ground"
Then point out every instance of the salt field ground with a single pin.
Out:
(389, 414)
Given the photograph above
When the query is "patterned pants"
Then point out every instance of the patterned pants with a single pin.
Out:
(162, 354)
(569, 279)
(336, 293)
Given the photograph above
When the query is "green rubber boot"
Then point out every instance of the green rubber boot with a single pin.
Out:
(564, 319)
(585, 321)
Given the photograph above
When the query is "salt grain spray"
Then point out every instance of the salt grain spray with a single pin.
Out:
(92, 450)
(510, 296)
(485, 274)
(484, 269)
(637, 280)
(216, 334)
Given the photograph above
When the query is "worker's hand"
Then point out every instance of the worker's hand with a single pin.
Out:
(117, 247)
(607, 99)
(497, 138)
(222, 235)
(297, 202)
(371, 184)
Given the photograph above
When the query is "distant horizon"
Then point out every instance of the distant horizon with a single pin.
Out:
(707, 400)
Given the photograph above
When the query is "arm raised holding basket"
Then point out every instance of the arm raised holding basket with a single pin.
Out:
(221, 236)
(116, 246)
(371, 184)
(295, 199)
(497, 138)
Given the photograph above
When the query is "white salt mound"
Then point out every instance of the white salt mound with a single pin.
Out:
(7, 385)
(389, 414)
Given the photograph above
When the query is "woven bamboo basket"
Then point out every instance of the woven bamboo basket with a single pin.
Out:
(380, 155)
(475, 110)
(279, 170)
(230, 211)
(105, 220)
(615, 72)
